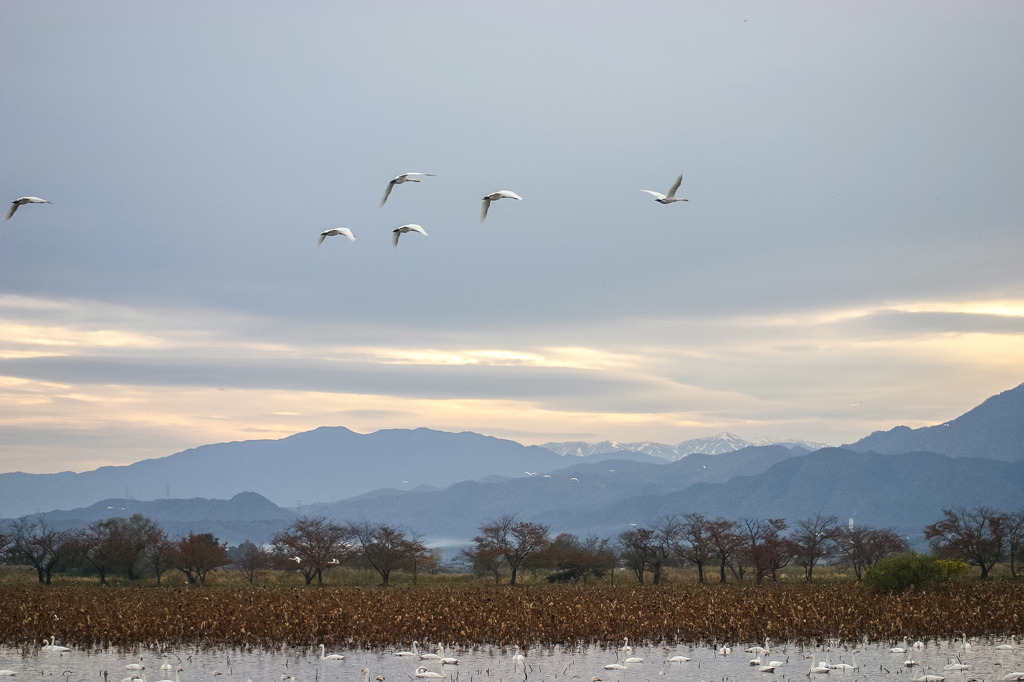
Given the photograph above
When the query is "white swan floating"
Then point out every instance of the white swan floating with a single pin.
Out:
(329, 657)
(52, 647)
(428, 674)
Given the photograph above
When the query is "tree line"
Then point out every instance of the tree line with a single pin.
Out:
(719, 548)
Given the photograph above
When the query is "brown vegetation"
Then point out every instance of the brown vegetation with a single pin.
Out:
(93, 616)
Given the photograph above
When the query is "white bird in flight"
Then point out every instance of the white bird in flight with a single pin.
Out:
(21, 201)
(671, 196)
(399, 231)
(494, 196)
(334, 232)
(404, 177)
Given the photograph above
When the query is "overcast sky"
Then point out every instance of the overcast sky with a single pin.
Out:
(853, 235)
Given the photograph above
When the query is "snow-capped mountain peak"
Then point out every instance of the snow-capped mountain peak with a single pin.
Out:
(709, 445)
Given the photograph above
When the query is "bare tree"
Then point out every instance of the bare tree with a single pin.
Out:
(159, 553)
(636, 549)
(34, 542)
(104, 546)
(766, 548)
(422, 558)
(250, 560)
(517, 542)
(694, 543)
(198, 554)
(1015, 539)
(727, 544)
(486, 559)
(576, 560)
(816, 539)
(315, 545)
(385, 549)
(862, 547)
(667, 531)
(977, 535)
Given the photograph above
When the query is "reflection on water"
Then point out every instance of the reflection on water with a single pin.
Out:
(540, 664)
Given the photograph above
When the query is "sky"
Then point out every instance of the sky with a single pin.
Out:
(849, 258)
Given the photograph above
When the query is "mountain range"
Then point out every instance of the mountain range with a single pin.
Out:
(709, 445)
(444, 485)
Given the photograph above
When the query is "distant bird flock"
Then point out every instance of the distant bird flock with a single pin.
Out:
(410, 227)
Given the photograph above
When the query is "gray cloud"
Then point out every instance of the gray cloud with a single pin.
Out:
(835, 158)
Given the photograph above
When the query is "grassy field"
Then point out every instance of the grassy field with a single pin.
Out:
(86, 615)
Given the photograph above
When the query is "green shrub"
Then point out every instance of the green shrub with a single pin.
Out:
(901, 572)
(953, 568)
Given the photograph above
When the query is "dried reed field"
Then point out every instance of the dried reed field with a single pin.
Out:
(92, 616)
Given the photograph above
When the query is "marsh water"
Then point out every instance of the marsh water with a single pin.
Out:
(487, 663)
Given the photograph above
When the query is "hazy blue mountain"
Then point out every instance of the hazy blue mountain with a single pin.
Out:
(904, 491)
(457, 511)
(246, 516)
(992, 430)
(907, 491)
(709, 445)
(323, 465)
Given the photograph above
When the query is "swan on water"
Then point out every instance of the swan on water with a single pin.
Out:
(671, 196)
(177, 677)
(21, 201)
(135, 666)
(615, 666)
(446, 660)
(678, 659)
(404, 177)
(7, 673)
(494, 196)
(329, 657)
(1012, 644)
(847, 666)
(52, 647)
(760, 650)
(399, 231)
(423, 672)
(334, 232)
(407, 653)
(818, 668)
(429, 657)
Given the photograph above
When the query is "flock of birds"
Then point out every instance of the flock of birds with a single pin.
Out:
(410, 227)
(625, 657)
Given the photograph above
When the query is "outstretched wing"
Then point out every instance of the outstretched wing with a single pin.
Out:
(656, 195)
(387, 193)
(483, 212)
(672, 192)
(14, 207)
(323, 236)
(395, 234)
